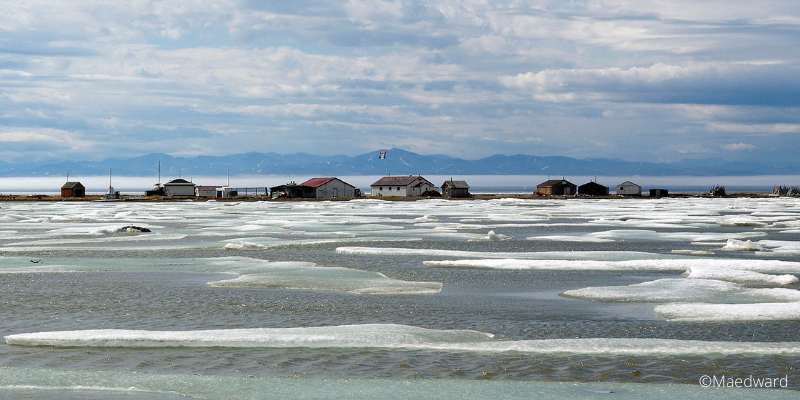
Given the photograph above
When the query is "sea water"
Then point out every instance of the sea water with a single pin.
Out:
(509, 298)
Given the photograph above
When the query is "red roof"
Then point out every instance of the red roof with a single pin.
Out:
(316, 182)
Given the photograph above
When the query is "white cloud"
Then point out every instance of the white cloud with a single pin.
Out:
(738, 146)
(237, 76)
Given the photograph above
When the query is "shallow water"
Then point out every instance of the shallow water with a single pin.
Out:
(69, 267)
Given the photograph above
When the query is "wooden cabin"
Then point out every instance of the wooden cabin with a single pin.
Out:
(73, 189)
(556, 187)
(455, 189)
(592, 189)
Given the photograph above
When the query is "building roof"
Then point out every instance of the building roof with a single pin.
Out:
(628, 183)
(593, 184)
(316, 182)
(398, 180)
(208, 187)
(72, 185)
(456, 184)
(554, 182)
(178, 181)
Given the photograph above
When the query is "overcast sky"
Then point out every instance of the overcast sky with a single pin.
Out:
(654, 80)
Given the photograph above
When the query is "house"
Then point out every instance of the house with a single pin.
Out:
(73, 189)
(179, 188)
(207, 191)
(328, 187)
(659, 193)
(455, 189)
(402, 186)
(593, 189)
(556, 187)
(629, 188)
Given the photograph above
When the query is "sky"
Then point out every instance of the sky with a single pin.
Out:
(645, 80)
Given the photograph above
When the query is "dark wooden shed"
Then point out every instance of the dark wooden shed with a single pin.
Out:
(73, 189)
(455, 189)
(556, 187)
(659, 193)
(593, 189)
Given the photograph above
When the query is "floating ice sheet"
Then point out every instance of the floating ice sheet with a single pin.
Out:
(253, 273)
(703, 312)
(684, 290)
(742, 245)
(650, 235)
(719, 266)
(307, 276)
(396, 337)
(543, 255)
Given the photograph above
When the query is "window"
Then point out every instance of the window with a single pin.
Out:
(398, 188)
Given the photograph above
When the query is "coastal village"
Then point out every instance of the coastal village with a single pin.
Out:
(387, 187)
(411, 186)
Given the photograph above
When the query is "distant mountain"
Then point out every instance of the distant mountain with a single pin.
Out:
(399, 162)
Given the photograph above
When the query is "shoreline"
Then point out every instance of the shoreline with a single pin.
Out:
(487, 196)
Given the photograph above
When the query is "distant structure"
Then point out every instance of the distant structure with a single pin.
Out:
(226, 192)
(786, 191)
(629, 188)
(158, 189)
(593, 189)
(403, 186)
(717, 191)
(455, 189)
(73, 189)
(290, 190)
(179, 188)
(556, 187)
(321, 188)
(111, 194)
(207, 191)
(659, 193)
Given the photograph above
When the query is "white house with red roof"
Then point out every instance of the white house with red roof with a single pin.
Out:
(402, 186)
(328, 187)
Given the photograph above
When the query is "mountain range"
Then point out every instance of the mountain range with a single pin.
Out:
(398, 161)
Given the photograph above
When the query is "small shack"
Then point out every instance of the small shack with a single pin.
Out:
(73, 189)
(158, 190)
(556, 187)
(629, 188)
(180, 188)
(207, 191)
(290, 190)
(659, 193)
(455, 189)
(593, 189)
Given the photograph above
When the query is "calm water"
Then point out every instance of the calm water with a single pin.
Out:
(70, 267)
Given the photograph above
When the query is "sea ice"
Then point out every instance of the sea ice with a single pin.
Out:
(683, 290)
(742, 245)
(703, 312)
(398, 337)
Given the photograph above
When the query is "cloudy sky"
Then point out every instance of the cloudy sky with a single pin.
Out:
(654, 80)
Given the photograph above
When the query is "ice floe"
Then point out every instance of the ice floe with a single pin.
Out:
(742, 245)
(397, 337)
(684, 290)
(704, 312)
(543, 255)
(718, 266)
(307, 276)
(252, 273)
